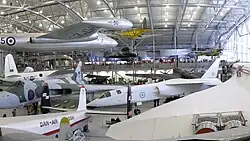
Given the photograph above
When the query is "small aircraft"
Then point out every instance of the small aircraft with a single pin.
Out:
(48, 124)
(218, 113)
(137, 33)
(82, 36)
(172, 87)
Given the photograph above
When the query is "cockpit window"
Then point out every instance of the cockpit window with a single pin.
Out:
(118, 91)
(106, 94)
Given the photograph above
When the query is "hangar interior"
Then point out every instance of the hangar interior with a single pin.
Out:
(168, 39)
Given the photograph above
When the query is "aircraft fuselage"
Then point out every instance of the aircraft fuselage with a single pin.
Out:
(21, 42)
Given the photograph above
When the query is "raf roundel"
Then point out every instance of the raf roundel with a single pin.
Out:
(142, 94)
(10, 41)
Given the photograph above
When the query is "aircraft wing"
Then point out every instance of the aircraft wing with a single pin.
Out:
(176, 82)
(75, 31)
(148, 36)
(90, 112)
(155, 76)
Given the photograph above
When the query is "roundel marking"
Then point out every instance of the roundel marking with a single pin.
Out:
(10, 41)
(142, 95)
(31, 95)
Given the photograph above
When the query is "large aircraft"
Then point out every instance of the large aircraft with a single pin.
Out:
(222, 111)
(48, 124)
(24, 92)
(172, 87)
(11, 73)
(77, 37)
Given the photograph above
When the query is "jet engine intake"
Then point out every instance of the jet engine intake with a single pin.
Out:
(233, 124)
(206, 127)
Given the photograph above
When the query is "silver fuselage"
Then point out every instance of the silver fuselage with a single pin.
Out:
(22, 43)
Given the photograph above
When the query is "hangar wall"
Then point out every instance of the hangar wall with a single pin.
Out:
(238, 46)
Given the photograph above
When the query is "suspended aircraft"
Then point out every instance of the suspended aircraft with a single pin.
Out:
(82, 36)
(172, 87)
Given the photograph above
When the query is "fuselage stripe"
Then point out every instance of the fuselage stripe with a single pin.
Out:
(57, 130)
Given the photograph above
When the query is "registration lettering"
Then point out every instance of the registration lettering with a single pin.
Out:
(48, 123)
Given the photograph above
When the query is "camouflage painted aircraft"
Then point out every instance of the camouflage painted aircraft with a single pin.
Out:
(25, 92)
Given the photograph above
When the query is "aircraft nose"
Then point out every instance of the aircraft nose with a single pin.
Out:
(9, 100)
(130, 24)
(114, 43)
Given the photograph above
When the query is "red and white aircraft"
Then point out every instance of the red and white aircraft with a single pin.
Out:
(49, 124)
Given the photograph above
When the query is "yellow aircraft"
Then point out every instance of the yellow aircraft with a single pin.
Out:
(137, 33)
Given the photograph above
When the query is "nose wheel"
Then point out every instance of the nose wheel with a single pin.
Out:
(137, 111)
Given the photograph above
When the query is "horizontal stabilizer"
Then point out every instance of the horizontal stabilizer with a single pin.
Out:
(58, 109)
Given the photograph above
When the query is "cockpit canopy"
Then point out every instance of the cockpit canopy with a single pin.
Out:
(106, 94)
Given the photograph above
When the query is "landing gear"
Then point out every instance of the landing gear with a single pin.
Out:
(137, 111)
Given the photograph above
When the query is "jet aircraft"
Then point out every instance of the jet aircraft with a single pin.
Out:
(172, 87)
(218, 113)
(48, 124)
(82, 36)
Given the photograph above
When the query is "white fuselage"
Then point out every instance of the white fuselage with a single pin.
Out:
(47, 124)
(22, 43)
(148, 92)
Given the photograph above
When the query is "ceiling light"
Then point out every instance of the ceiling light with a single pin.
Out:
(139, 14)
(166, 19)
(165, 25)
(62, 22)
(167, 6)
(191, 18)
(29, 21)
(4, 1)
(141, 20)
(189, 24)
(136, 8)
(221, 13)
(2, 13)
(105, 10)
(228, 9)
(198, 7)
(17, 17)
(50, 29)
(98, 2)
(40, 25)
(166, 13)
(41, 11)
(138, 1)
(111, 16)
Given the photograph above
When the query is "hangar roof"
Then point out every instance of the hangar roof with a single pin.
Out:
(210, 21)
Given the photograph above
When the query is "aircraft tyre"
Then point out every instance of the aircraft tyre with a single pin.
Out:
(137, 111)
(86, 128)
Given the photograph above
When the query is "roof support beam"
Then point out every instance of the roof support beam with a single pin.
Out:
(109, 7)
(216, 14)
(182, 11)
(70, 8)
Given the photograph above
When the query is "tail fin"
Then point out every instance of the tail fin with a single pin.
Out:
(144, 23)
(212, 72)
(78, 74)
(10, 66)
(82, 100)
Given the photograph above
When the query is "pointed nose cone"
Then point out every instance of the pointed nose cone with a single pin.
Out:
(130, 24)
(9, 100)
